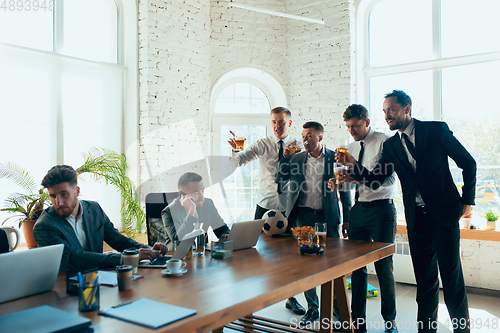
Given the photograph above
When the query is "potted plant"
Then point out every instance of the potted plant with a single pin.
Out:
(27, 208)
(491, 218)
(102, 164)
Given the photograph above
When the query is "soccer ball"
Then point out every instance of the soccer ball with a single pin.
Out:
(275, 223)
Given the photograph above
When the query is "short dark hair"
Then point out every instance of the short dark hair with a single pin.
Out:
(314, 124)
(401, 97)
(60, 174)
(281, 109)
(356, 111)
(189, 177)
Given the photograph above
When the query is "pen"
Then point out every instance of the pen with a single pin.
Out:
(121, 304)
(80, 278)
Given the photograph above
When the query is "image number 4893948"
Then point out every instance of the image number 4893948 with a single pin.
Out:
(27, 5)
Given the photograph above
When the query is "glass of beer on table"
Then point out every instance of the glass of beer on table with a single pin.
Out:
(320, 234)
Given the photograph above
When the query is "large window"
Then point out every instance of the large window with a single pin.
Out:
(446, 55)
(61, 89)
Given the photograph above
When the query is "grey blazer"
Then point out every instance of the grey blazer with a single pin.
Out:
(292, 169)
(52, 229)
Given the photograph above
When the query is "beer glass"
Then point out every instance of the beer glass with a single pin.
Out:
(342, 148)
(320, 234)
(240, 143)
(297, 147)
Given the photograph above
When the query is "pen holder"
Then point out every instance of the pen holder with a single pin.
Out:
(72, 278)
(88, 297)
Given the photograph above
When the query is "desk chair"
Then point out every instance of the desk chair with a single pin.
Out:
(4, 242)
(155, 202)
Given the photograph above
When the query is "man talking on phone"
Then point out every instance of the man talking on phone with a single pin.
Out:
(191, 208)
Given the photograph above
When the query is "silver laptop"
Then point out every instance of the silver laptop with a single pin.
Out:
(244, 234)
(161, 262)
(29, 272)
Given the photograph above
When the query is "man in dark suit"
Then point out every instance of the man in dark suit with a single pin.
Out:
(309, 198)
(189, 209)
(419, 153)
(81, 226)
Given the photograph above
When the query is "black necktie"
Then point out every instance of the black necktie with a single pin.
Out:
(409, 145)
(280, 155)
(360, 160)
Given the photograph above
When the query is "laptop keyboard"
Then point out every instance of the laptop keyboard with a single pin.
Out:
(161, 260)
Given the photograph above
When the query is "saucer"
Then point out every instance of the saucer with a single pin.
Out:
(168, 273)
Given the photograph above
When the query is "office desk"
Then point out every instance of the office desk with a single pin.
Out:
(225, 290)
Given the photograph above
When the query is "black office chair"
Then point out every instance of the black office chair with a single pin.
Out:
(155, 202)
(4, 242)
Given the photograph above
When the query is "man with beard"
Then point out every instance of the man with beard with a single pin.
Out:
(419, 153)
(82, 226)
(189, 209)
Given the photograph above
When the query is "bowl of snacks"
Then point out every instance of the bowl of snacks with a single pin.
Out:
(303, 235)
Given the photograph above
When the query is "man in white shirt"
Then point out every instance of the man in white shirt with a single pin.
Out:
(310, 200)
(269, 151)
(372, 218)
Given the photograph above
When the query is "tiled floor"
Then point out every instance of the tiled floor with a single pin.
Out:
(484, 310)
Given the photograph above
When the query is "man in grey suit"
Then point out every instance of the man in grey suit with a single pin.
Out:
(310, 200)
(81, 226)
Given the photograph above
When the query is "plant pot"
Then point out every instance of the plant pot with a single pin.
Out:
(490, 225)
(28, 233)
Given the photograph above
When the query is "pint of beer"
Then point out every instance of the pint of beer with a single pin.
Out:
(240, 142)
(342, 149)
(320, 234)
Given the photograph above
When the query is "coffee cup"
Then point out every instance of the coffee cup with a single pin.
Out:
(131, 257)
(174, 266)
(13, 237)
(124, 273)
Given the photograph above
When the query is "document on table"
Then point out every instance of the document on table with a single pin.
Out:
(148, 313)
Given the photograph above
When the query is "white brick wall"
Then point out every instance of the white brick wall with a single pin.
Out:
(186, 45)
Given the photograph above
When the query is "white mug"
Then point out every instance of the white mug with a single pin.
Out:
(10, 232)
(175, 265)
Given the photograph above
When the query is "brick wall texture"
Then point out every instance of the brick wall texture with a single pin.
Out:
(186, 45)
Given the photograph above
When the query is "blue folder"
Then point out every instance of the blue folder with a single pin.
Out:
(148, 313)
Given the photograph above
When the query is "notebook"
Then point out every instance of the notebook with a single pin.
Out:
(244, 234)
(148, 313)
(44, 319)
(29, 272)
(161, 262)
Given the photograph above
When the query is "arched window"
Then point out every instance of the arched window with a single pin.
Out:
(446, 55)
(241, 102)
(61, 88)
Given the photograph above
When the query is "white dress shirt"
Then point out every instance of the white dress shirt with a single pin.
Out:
(311, 190)
(76, 222)
(266, 150)
(374, 143)
(410, 132)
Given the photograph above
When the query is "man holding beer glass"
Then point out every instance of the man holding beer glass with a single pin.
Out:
(372, 218)
(269, 151)
(419, 153)
(309, 199)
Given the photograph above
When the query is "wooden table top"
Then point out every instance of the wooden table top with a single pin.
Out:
(222, 290)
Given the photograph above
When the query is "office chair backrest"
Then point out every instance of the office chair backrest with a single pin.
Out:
(4, 242)
(155, 202)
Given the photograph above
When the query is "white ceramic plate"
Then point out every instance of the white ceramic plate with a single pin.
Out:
(168, 273)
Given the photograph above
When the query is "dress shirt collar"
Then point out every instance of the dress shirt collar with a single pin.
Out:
(73, 218)
(320, 155)
(409, 130)
(368, 138)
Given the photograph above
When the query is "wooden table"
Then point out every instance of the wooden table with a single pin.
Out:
(223, 291)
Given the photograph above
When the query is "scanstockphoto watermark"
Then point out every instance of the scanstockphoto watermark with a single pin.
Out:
(27, 5)
(484, 324)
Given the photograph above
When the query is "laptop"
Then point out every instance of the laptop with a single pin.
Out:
(244, 234)
(161, 261)
(29, 272)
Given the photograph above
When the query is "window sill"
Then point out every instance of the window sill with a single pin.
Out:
(474, 234)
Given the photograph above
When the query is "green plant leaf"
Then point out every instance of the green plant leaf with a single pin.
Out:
(18, 175)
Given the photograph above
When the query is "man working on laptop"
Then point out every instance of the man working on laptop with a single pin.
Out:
(309, 199)
(81, 226)
(191, 209)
